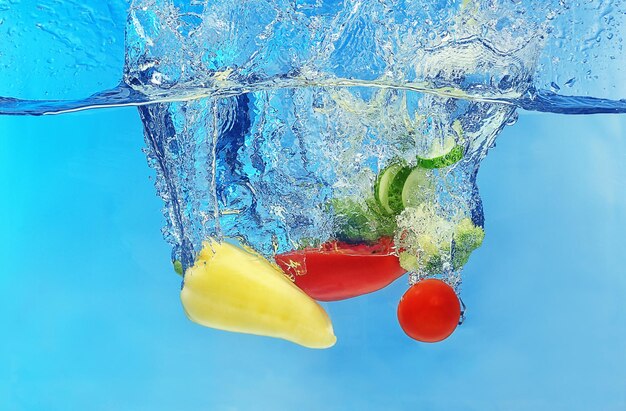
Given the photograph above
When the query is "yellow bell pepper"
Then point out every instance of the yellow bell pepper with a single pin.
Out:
(235, 289)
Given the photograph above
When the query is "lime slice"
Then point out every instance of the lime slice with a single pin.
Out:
(442, 155)
(389, 186)
(418, 187)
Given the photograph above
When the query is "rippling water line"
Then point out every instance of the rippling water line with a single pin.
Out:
(124, 96)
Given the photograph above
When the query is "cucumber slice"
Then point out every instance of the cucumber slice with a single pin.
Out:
(444, 156)
(389, 186)
(418, 187)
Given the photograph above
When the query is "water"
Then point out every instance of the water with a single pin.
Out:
(533, 100)
(184, 147)
(545, 322)
(269, 145)
(505, 52)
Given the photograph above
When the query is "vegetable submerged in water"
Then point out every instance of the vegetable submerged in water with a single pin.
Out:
(434, 239)
(467, 238)
(338, 271)
(429, 311)
(417, 188)
(389, 184)
(233, 289)
(452, 156)
(361, 223)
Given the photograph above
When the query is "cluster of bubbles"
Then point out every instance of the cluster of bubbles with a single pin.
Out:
(296, 110)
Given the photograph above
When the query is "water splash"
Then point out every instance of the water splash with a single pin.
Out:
(271, 121)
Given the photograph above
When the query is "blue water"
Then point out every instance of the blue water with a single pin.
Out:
(90, 309)
(534, 100)
(91, 316)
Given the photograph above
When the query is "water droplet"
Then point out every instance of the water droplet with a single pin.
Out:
(554, 87)
(570, 82)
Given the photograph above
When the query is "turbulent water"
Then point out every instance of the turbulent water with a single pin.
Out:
(178, 50)
(299, 107)
(272, 121)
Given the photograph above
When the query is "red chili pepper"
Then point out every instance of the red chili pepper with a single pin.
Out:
(336, 271)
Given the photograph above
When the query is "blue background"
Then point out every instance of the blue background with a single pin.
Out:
(91, 319)
(89, 309)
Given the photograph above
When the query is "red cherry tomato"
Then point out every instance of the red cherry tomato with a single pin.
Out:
(429, 311)
(336, 271)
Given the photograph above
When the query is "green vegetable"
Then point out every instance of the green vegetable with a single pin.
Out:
(418, 187)
(386, 225)
(357, 222)
(389, 185)
(408, 261)
(428, 240)
(309, 242)
(428, 256)
(445, 153)
(453, 156)
(467, 238)
(178, 267)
